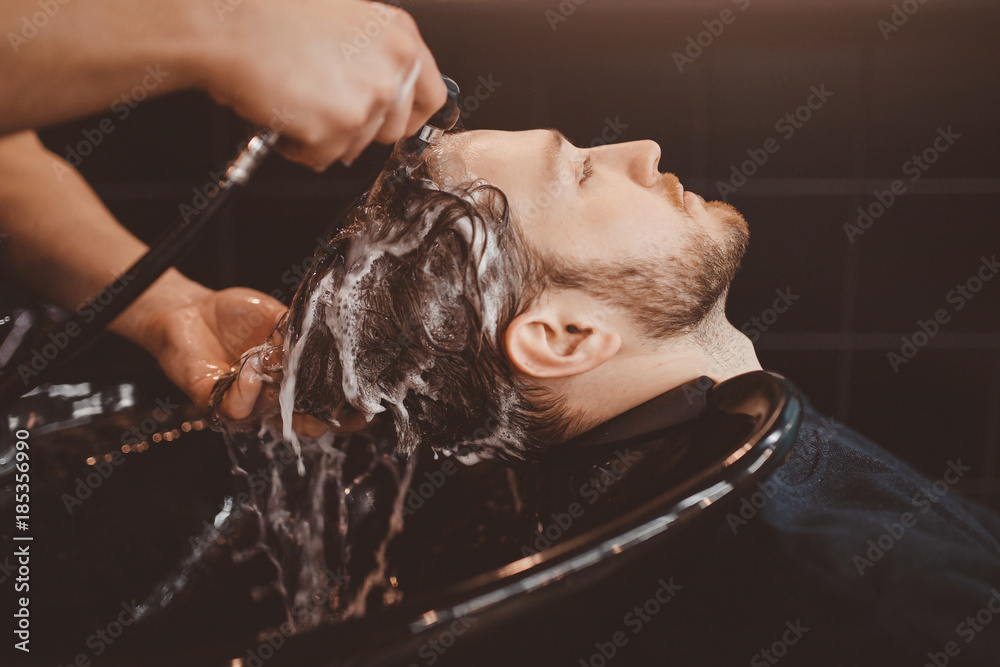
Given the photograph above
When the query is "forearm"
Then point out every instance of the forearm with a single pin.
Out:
(63, 246)
(91, 53)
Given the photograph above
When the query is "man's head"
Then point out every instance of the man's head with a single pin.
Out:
(475, 299)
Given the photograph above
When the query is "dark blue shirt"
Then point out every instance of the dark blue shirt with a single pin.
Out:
(846, 555)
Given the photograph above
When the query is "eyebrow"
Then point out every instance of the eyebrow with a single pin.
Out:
(553, 152)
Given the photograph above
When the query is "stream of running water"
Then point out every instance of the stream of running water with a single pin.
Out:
(324, 510)
(325, 531)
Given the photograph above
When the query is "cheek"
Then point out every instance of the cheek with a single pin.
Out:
(560, 235)
(638, 225)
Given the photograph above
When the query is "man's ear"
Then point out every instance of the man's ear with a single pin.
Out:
(546, 342)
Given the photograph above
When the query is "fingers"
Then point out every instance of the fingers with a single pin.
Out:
(397, 119)
(308, 426)
(244, 318)
(351, 421)
(363, 138)
(334, 76)
(306, 154)
(242, 396)
(430, 92)
(345, 144)
(422, 74)
(199, 390)
(403, 93)
(388, 121)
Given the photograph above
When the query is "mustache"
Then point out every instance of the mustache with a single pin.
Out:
(672, 190)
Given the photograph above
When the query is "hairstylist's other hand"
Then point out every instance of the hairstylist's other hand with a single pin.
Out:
(330, 75)
(201, 333)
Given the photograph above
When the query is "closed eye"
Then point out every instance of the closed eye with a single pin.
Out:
(588, 169)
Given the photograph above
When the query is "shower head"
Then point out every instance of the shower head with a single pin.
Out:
(445, 119)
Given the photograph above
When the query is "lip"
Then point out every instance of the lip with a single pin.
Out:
(690, 200)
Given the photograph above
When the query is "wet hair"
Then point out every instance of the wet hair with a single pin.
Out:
(405, 311)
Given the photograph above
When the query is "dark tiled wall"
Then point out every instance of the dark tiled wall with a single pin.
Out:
(612, 63)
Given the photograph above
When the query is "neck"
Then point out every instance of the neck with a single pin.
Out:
(639, 373)
(721, 349)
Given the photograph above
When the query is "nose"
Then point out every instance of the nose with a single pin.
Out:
(639, 160)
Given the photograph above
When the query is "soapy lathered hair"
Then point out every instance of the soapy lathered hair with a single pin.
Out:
(405, 312)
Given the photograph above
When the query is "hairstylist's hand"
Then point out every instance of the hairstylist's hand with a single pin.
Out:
(198, 340)
(330, 75)
(202, 333)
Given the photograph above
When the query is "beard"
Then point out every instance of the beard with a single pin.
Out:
(667, 293)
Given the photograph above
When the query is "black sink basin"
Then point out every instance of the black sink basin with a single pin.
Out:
(124, 516)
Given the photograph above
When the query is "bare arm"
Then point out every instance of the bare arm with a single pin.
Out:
(298, 60)
(63, 246)
(87, 54)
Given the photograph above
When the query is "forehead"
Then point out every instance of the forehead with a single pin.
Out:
(486, 148)
(526, 166)
(485, 154)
